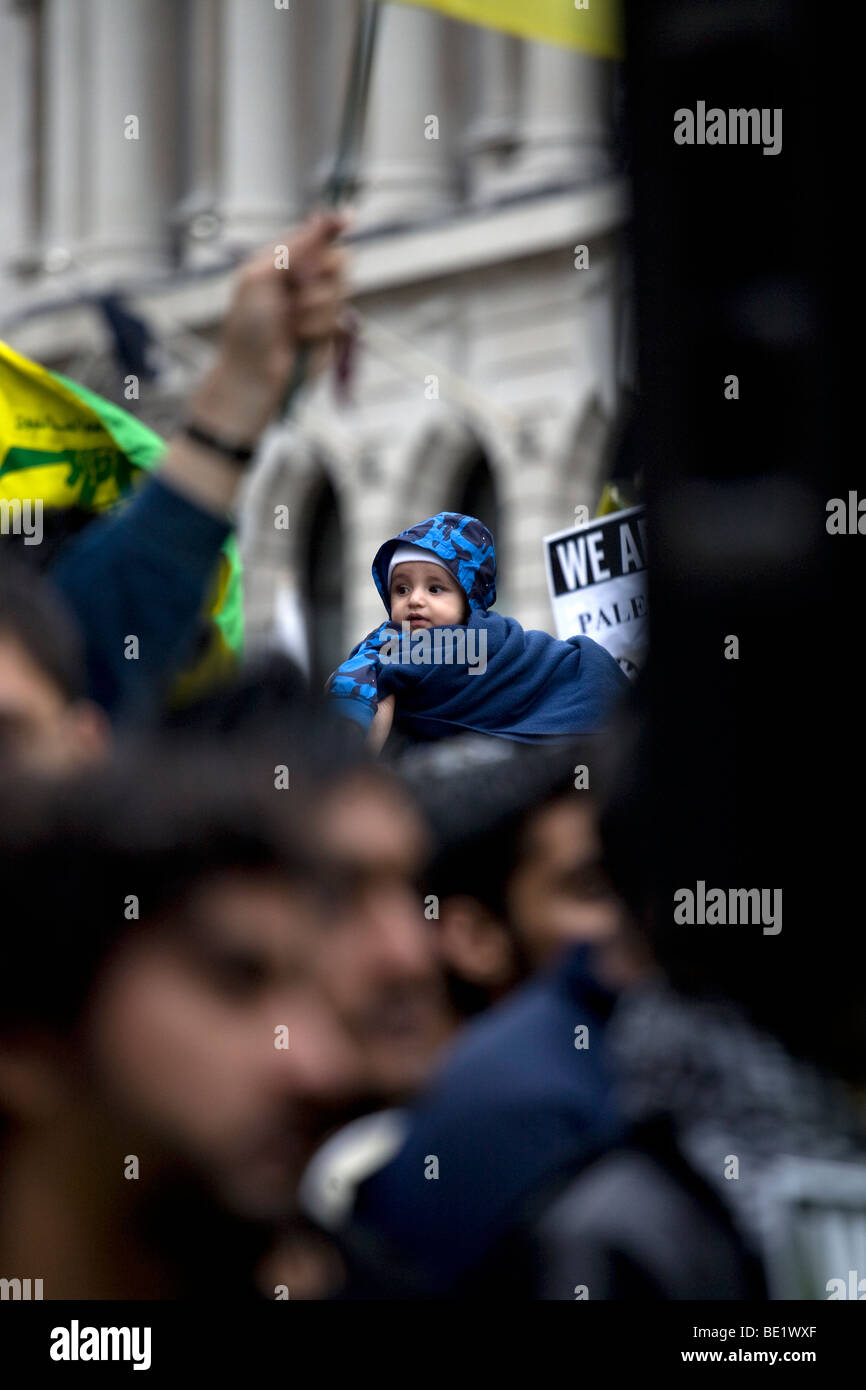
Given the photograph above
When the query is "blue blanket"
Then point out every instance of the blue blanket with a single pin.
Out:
(534, 687)
(490, 675)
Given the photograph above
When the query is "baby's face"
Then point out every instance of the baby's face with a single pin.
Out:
(424, 595)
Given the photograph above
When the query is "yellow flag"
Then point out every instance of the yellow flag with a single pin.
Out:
(592, 26)
(62, 445)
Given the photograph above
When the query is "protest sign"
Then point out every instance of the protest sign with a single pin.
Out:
(596, 576)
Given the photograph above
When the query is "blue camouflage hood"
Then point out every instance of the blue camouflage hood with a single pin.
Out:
(463, 545)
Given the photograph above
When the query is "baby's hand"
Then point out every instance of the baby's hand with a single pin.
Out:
(381, 725)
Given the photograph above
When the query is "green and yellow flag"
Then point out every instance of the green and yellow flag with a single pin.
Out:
(69, 447)
(595, 26)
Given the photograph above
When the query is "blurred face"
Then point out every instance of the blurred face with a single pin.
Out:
(425, 595)
(181, 1041)
(379, 951)
(559, 893)
(39, 727)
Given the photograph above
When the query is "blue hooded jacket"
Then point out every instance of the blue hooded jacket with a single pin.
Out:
(515, 1104)
(530, 687)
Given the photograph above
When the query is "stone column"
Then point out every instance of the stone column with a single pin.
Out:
(322, 86)
(413, 121)
(259, 120)
(567, 109)
(492, 136)
(64, 113)
(19, 238)
(196, 216)
(131, 144)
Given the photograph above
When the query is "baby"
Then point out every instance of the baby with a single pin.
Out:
(444, 664)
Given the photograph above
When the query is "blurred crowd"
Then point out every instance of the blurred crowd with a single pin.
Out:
(287, 1015)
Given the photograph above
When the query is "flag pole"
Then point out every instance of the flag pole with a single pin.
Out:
(343, 178)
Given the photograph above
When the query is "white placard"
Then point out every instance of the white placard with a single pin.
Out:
(596, 577)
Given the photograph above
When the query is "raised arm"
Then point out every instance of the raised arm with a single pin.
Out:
(146, 570)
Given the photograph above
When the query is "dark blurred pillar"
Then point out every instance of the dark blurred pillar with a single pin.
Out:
(757, 763)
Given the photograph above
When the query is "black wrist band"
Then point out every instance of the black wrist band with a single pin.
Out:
(236, 453)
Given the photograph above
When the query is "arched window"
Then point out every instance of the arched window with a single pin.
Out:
(475, 494)
(322, 582)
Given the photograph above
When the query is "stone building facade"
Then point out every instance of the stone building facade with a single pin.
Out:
(146, 143)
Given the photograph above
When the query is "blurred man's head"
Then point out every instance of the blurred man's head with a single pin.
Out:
(46, 721)
(382, 967)
(162, 994)
(382, 971)
(518, 870)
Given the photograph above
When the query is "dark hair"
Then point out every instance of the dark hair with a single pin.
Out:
(154, 824)
(34, 616)
(479, 796)
(268, 712)
(267, 691)
(60, 525)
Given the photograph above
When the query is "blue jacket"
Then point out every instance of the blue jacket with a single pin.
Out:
(145, 571)
(531, 687)
(516, 1105)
